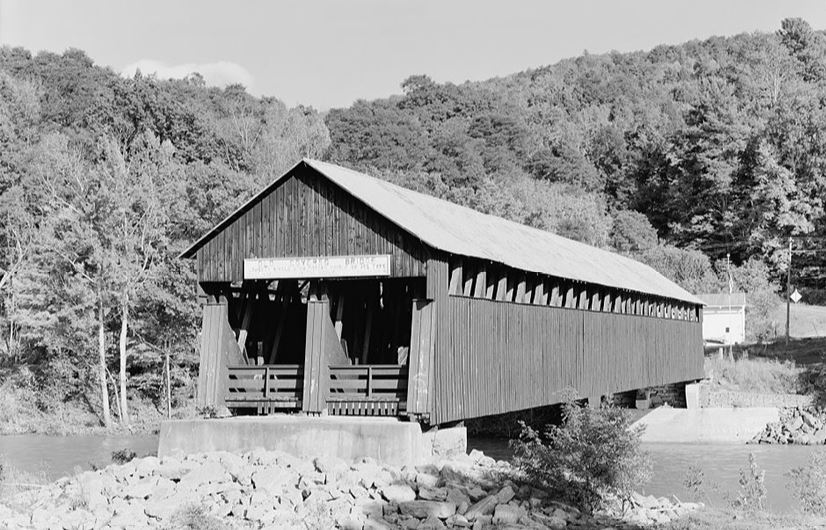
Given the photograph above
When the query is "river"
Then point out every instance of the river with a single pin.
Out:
(50, 457)
(720, 464)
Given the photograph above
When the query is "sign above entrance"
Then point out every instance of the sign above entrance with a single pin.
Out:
(316, 267)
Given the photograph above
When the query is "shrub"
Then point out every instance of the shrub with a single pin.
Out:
(755, 375)
(591, 456)
(194, 517)
(752, 495)
(122, 456)
(809, 484)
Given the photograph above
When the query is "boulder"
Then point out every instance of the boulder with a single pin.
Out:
(457, 496)
(207, 473)
(426, 480)
(274, 479)
(350, 522)
(432, 494)
(371, 508)
(377, 524)
(146, 466)
(94, 491)
(408, 522)
(476, 493)
(506, 514)
(458, 520)
(555, 522)
(483, 507)
(424, 509)
(431, 523)
(140, 489)
(357, 492)
(810, 420)
(329, 465)
(398, 493)
(505, 494)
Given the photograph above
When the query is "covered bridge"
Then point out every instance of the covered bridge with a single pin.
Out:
(332, 291)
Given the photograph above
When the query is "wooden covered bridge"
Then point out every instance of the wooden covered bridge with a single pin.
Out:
(335, 292)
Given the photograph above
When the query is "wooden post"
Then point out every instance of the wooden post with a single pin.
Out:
(320, 347)
(468, 277)
(521, 289)
(539, 296)
(422, 348)
(583, 298)
(502, 286)
(455, 278)
(218, 349)
(245, 324)
(339, 323)
(481, 285)
(279, 332)
(595, 301)
(368, 330)
(490, 287)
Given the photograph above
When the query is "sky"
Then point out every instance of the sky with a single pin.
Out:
(329, 53)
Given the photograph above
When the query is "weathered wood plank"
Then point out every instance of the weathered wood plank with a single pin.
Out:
(306, 215)
(529, 354)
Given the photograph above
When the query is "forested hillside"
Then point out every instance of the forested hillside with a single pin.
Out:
(678, 156)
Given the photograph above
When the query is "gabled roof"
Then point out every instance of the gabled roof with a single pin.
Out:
(723, 299)
(459, 230)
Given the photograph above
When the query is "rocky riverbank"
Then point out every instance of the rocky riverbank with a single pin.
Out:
(268, 489)
(802, 426)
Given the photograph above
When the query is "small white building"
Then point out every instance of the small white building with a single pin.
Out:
(724, 317)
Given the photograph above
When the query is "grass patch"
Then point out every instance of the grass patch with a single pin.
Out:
(755, 375)
(714, 519)
(14, 480)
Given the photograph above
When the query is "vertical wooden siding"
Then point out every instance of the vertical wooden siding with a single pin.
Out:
(495, 357)
(306, 215)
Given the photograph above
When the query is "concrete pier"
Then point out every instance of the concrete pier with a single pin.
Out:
(718, 425)
(387, 440)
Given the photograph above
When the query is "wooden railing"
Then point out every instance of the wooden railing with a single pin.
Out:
(266, 388)
(367, 390)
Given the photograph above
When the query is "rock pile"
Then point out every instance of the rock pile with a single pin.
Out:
(265, 489)
(796, 426)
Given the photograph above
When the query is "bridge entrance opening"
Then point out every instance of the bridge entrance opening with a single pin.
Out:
(343, 343)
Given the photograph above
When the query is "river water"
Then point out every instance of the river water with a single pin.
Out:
(720, 465)
(50, 457)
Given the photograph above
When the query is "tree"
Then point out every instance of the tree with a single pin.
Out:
(632, 232)
(65, 292)
(805, 45)
(690, 269)
(133, 235)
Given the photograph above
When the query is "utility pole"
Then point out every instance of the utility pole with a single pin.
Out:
(788, 290)
(730, 289)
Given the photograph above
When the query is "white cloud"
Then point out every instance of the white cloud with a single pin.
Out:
(221, 73)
